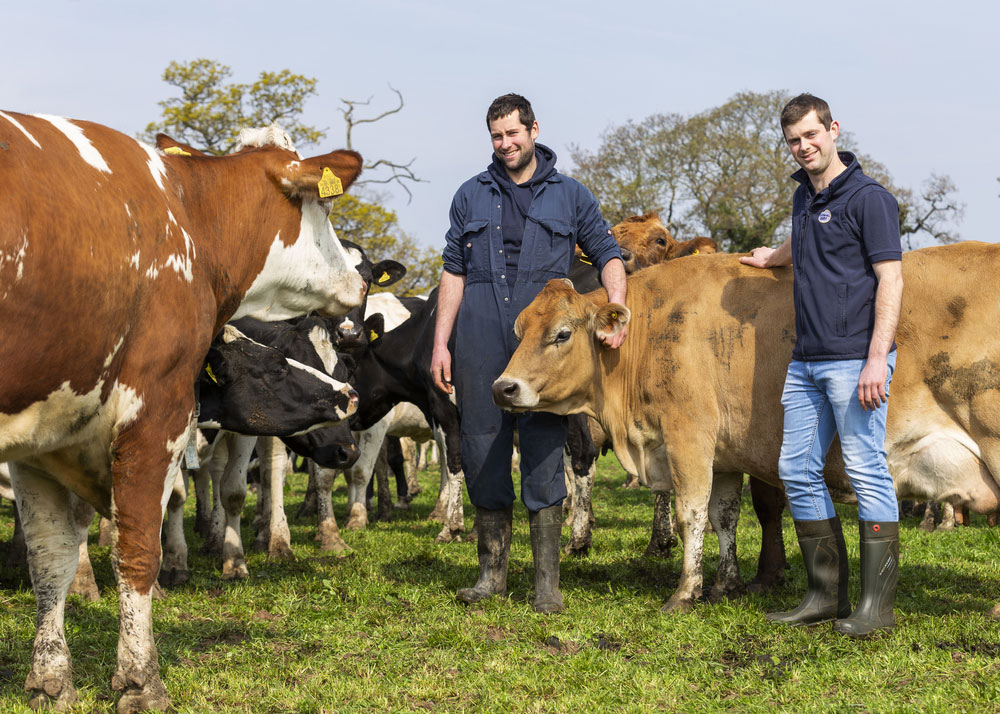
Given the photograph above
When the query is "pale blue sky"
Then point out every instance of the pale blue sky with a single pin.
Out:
(914, 82)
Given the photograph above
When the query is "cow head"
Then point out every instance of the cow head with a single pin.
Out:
(253, 389)
(271, 194)
(701, 245)
(553, 367)
(350, 331)
(645, 239)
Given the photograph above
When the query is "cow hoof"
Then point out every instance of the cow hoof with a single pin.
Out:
(57, 694)
(449, 535)
(88, 591)
(577, 549)
(401, 504)
(235, 571)
(439, 514)
(995, 612)
(657, 549)
(764, 584)
(280, 550)
(335, 544)
(677, 604)
(152, 698)
(156, 592)
(173, 577)
(946, 526)
(357, 519)
(720, 593)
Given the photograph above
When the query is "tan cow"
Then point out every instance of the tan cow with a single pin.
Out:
(691, 400)
(118, 264)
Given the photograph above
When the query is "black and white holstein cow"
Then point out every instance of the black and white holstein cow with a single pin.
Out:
(119, 263)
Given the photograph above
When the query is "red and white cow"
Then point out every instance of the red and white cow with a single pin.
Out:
(118, 264)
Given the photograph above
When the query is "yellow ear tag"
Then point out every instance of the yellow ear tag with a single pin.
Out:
(694, 252)
(176, 151)
(211, 374)
(383, 277)
(372, 336)
(614, 315)
(329, 184)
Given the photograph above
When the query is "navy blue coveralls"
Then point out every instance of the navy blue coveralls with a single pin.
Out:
(562, 213)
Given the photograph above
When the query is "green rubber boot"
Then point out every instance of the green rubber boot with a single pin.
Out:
(546, 528)
(879, 575)
(825, 556)
(493, 546)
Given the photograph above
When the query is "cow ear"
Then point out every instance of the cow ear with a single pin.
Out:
(610, 319)
(374, 328)
(213, 369)
(171, 146)
(387, 272)
(321, 177)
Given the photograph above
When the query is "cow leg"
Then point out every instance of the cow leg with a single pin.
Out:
(84, 584)
(273, 461)
(262, 512)
(52, 536)
(359, 475)
(397, 459)
(768, 503)
(947, 517)
(454, 524)
(580, 465)
(104, 532)
(202, 477)
(384, 510)
(308, 506)
(724, 514)
(662, 539)
(927, 522)
(440, 510)
(216, 533)
(233, 496)
(327, 532)
(18, 555)
(412, 457)
(174, 570)
(693, 492)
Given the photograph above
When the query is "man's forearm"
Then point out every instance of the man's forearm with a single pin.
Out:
(888, 301)
(613, 279)
(449, 300)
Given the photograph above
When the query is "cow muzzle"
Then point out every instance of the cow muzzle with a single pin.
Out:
(514, 394)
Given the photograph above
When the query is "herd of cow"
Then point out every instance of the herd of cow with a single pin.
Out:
(163, 294)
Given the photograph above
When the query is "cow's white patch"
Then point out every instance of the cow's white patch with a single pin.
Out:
(88, 152)
(134, 260)
(314, 273)
(114, 350)
(43, 425)
(323, 377)
(155, 164)
(15, 258)
(392, 309)
(273, 135)
(24, 131)
(175, 447)
(320, 340)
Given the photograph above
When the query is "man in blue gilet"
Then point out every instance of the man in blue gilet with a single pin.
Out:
(846, 256)
(513, 228)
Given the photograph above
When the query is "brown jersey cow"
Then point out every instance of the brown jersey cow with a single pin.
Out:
(118, 264)
(691, 400)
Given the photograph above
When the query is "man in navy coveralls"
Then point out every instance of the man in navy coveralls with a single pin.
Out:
(848, 287)
(513, 228)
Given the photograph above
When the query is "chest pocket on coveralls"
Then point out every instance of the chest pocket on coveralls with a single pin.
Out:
(474, 244)
(562, 236)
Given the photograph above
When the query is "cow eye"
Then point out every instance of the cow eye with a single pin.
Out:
(660, 241)
(562, 336)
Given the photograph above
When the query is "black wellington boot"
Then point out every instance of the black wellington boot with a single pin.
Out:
(879, 575)
(825, 556)
(493, 546)
(546, 528)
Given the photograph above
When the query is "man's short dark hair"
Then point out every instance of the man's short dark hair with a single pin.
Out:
(796, 110)
(507, 105)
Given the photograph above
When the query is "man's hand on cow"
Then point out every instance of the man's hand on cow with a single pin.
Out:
(758, 257)
(615, 341)
(871, 384)
(441, 369)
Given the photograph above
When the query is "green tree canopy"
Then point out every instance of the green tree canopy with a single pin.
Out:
(210, 110)
(725, 173)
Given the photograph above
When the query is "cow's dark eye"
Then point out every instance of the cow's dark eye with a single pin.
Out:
(562, 336)
(660, 241)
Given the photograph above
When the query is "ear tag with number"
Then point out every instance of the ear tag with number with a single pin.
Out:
(329, 184)
(384, 277)
(176, 151)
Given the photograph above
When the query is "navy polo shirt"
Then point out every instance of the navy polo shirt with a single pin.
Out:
(836, 236)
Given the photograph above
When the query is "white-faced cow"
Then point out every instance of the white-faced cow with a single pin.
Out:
(118, 264)
(691, 400)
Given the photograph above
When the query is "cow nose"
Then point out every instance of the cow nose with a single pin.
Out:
(505, 391)
(627, 254)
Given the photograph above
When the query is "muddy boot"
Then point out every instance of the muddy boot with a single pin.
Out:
(546, 528)
(825, 556)
(493, 545)
(879, 574)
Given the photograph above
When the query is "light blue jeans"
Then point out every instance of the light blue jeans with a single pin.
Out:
(821, 401)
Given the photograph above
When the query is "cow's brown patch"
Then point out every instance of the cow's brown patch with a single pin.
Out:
(956, 308)
(966, 382)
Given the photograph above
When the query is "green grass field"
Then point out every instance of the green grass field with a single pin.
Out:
(380, 631)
